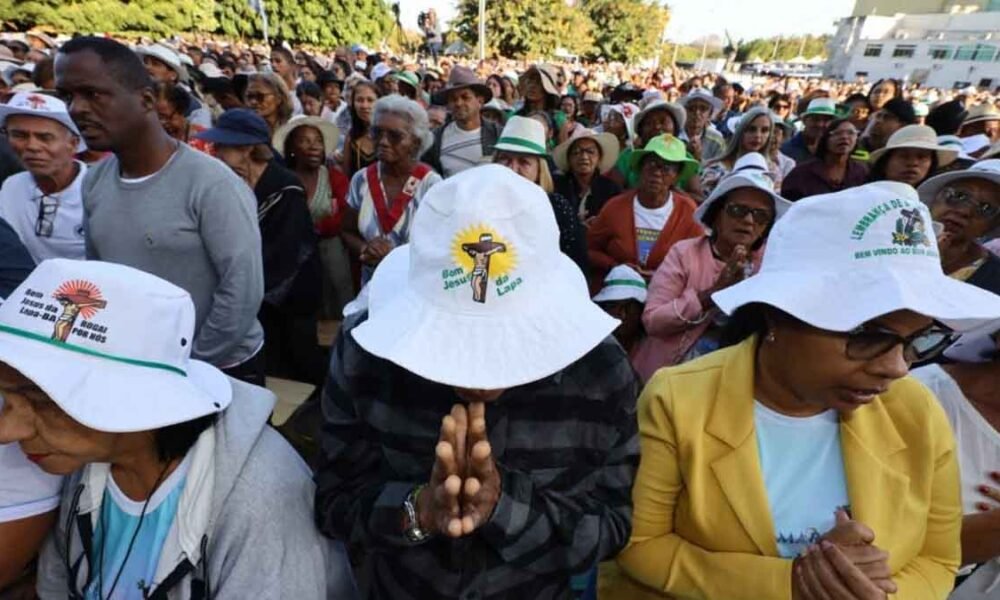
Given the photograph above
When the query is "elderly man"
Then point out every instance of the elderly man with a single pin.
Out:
(467, 139)
(480, 433)
(44, 204)
(163, 207)
(704, 142)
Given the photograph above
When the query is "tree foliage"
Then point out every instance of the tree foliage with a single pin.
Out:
(629, 30)
(158, 17)
(525, 28)
(787, 48)
(318, 22)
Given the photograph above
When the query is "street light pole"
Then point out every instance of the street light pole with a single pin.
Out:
(482, 29)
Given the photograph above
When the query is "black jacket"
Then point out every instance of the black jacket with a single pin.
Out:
(489, 132)
(572, 237)
(987, 276)
(602, 189)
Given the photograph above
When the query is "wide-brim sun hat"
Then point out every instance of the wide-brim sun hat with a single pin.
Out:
(676, 111)
(623, 283)
(522, 135)
(110, 345)
(329, 132)
(871, 249)
(165, 55)
(703, 95)
(482, 297)
(607, 142)
(33, 104)
(980, 113)
(669, 149)
(548, 76)
(463, 78)
(750, 171)
(984, 169)
(920, 137)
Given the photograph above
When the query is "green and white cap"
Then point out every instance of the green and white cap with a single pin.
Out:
(524, 136)
(623, 283)
(839, 260)
(821, 106)
(110, 345)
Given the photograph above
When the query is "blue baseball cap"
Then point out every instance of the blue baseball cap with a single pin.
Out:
(237, 127)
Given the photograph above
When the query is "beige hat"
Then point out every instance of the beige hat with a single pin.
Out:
(982, 112)
(547, 73)
(606, 141)
(917, 136)
(329, 132)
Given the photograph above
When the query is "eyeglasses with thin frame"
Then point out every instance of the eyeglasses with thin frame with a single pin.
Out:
(867, 342)
(48, 205)
(981, 208)
(395, 136)
(760, 216)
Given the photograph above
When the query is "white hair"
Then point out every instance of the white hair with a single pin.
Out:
(413, 113)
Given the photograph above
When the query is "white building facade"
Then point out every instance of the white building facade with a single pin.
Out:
(936, 50)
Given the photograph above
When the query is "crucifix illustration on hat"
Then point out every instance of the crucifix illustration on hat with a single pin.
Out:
(910, 229)
(481, 252)
(76, 297)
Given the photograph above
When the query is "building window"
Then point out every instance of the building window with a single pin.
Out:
(940, 52)
(984, 53)
(873, 50)
(986, 83)
(965, 52)
(904, 51)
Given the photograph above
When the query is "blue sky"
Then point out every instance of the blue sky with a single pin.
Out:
(695, 18)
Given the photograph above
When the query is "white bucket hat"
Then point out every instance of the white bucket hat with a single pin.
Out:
(606, 141)
(921, 137)
(110, 345)
(522, 135)
(623, 283)
(676, 111)
(955, 143)
(838, 260)
(482, 297)
(329, 132)
(984, 169)
(703, 95)
(380, 70)
(750, 170)
(40, 105)
(166, 56)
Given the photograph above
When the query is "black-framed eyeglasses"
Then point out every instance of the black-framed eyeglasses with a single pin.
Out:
(982, 208)
(760, 216)
(45, 222)
(395, 136)
(868, 342)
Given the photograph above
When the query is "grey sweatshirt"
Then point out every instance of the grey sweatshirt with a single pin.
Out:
(244, 523)
(193, 223)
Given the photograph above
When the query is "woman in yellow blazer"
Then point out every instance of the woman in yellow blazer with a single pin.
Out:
(801, 463)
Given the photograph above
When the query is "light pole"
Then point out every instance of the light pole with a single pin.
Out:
(482, 29)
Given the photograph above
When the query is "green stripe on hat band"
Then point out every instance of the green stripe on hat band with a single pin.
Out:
(631, 282)
(520, 142)
(129, 361)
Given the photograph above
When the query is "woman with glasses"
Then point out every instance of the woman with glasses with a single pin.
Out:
(802, 463)
(680, 318)
(268, 96)
(359, 148)
(172, 103)
(833, 170)
(781, 105)
(967, 204)
(384, 195)
(583, 159)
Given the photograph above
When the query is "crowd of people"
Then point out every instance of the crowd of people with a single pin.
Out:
(606, 331)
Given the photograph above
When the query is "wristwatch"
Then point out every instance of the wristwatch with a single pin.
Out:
(411, 524)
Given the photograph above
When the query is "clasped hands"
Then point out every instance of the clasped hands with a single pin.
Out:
(465, 483)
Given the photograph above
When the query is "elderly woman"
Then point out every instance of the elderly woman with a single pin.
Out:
(583, 159)
(681, 320)
(307, 143)
(833, 170)
(658, 118)
(384, 195)
(966, 388)
(752, 133)
(521, 148)
(359, 148)
(267, 95)
(241, 139)
(827, 475)
(912, 155)
(638, 227)
(967, 204)
(172, 103)
(168, 463)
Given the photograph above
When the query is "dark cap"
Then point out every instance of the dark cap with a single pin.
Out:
(326, 78)
(946, 119)
(237, 127)
(902, 110)
(309, 88)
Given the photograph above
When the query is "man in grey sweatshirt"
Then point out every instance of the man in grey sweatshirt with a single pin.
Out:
(162, 207)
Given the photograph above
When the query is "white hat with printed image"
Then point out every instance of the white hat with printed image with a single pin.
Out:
(482, 297)
(751, 170)
(836, 261)
(623, 283)
(110, 345)
(33, 104)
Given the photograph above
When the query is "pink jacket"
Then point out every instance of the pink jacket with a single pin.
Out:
(672, 304)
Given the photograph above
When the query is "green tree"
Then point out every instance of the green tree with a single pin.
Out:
(766, 49)
(319, 22)
(628, 30)
(156, 17)
(525, 28)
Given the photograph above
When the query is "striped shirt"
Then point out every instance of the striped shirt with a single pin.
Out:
(566, 448)
(460, 149)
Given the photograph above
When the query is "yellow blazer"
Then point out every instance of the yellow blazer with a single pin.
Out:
(702, 524)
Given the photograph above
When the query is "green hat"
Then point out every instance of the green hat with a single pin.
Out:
(408, 78)
(822, 106)
(670, 149)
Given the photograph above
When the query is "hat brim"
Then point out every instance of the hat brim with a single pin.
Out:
(113, 396)
(676, 111)
(712, 101)
(689, 167)
(548, 80)
(929, 189)
(733, 182)
(945, 155)
(472, 352)
(843, 300)
(329, 132)
(619, 293)
(441, 98)
(824, 112)
(606, 141)
(226, 137)
(7, 111)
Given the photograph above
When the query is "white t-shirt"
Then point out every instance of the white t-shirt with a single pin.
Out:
(649, 222)
(803, 473)
(25, 490)
(460, 149)
(19, 206)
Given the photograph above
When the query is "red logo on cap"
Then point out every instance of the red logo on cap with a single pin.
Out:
(78, 297)
(37, 102)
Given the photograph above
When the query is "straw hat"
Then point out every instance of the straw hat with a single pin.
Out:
(523, 136)
(607, 142)
(751, 170)
(329, 132)
(917, 136)
(981, 112)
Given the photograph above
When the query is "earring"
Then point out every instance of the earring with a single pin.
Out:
(770, 336)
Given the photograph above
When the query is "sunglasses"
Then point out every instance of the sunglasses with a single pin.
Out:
(45, 222)
(395, 136)
(956, 198)
(760, 216)
(868, 342)
(782, 106)
(258, 96)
